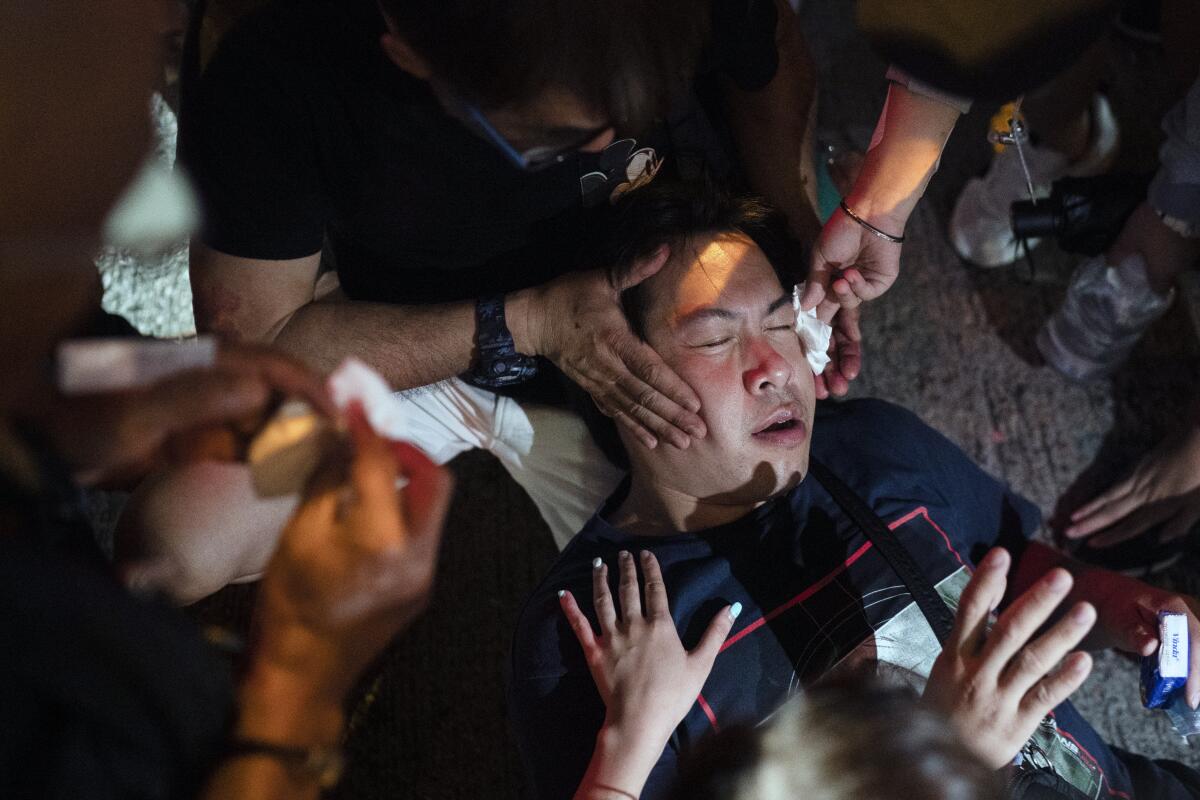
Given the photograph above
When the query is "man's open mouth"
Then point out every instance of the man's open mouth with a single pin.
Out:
(779, 426)
(782, 419)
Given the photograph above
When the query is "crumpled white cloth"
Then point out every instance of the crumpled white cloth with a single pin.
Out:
(353, 380)
(813, 333)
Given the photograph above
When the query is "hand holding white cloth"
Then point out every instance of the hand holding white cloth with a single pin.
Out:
(288, 449)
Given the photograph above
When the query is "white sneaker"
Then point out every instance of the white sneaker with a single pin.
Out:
(981, 224)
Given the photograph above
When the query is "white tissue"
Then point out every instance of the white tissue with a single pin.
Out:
(813, 333)
(355, 381)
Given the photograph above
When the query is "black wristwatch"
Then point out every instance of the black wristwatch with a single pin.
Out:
(497, 362)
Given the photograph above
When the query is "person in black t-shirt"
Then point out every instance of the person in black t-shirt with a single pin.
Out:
(739, 518)
(442, 161)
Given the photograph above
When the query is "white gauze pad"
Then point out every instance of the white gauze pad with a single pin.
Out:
(813, 333)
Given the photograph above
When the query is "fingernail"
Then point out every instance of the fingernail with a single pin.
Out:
(645, 555)
(624, 555)
(597, 562)
(1083, 614)
(697, 431)
(1059, 580)
(734, 611)
(1194, 700)
(561, 592)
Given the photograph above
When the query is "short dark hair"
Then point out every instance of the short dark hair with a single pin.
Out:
(673, 213)
(625, 58)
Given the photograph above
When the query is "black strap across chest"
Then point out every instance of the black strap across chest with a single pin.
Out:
(896, 554)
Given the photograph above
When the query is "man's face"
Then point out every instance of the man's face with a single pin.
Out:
(554, 123)
(719, 317)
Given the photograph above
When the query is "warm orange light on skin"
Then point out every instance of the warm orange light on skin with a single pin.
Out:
(720, 318)
(701, 287)
(904, 158)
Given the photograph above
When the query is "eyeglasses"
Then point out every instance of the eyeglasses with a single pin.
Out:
(532, 159)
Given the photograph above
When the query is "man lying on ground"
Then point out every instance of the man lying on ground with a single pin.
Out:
(740, 517)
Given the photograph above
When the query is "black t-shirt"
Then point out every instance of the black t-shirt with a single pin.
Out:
(103, 695)
(300, 132)
(817, 598)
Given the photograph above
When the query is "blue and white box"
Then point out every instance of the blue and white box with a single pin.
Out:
(1165, 671)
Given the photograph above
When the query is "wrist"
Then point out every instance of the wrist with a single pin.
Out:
(886, 215)
(621, 763)
(285, 707)
(519, 312)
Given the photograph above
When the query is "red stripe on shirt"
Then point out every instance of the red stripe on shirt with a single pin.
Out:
(708, 712)
(800, 598)
(921, 511)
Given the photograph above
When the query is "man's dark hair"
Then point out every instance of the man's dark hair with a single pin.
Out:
(626, 59)
(675, 214)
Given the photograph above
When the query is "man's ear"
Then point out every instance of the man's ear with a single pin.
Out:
(404, 56)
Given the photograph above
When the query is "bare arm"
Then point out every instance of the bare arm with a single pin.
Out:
(575, 320)
(274, 706)
(906, 147)
(272, 301)
(849, 263)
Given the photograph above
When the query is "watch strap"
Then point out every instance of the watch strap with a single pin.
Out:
(497, 362)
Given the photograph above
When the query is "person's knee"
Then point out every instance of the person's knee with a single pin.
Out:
(191, 531)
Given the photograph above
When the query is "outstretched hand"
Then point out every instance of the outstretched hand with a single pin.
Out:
(996, 685)
(1164, 490)
(648, 681)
